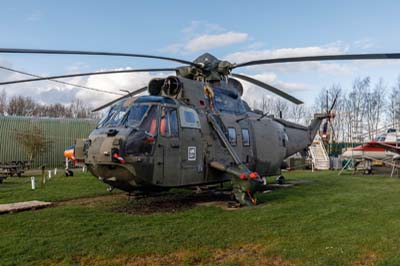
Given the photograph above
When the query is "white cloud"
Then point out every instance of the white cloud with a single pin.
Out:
(203, 27)
(202, 35)
(364, 44)
(207, 41)
(35, 15)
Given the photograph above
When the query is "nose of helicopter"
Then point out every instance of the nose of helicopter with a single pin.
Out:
(118, 176)
(103, 158)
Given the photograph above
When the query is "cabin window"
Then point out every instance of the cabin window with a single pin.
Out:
(245, 137)
(189, 117)
(168, 122)
(232, 135)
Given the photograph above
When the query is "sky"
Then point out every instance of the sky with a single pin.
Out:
(237, 31)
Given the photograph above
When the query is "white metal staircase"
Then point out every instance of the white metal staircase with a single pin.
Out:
(319, 156)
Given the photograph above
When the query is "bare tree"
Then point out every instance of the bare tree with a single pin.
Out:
(281, 108)
(375, 102)
(320, 101)
(22, 106)
(356, 107)
(297, 114)
(394, 105)
(79, 109)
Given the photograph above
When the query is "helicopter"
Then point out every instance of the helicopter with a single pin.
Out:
(194, 128)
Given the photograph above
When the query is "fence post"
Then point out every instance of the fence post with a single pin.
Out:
(43, 176)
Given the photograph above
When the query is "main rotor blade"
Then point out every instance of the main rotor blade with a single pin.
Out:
(268, 87)
(71, 52)
(89, 74)
(133, 93)
(59, 81)
(320, 58)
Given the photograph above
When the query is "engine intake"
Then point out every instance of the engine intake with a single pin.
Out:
(172, 86)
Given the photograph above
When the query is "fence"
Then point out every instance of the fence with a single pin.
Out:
(59, 131)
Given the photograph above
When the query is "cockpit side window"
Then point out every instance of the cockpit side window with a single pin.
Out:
(168, 122)
(149, 123)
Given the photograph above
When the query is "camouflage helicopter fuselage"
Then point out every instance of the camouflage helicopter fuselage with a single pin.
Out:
(173, 143)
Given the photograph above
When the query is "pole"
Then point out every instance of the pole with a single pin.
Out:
(43, 176)
(33, 182)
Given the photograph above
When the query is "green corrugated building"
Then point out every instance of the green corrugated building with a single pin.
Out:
(61, 132)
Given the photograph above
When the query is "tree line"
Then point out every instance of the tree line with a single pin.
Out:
(26, 106)
(361, 112)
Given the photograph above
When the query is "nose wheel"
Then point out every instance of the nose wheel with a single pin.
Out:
(69, 172)
(280, 180)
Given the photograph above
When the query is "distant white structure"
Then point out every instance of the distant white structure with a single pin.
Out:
(319, 155)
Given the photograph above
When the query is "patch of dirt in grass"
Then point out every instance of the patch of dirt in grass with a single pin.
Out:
(367, 259)
(245, 255)
(92, 200)
(167, 202)
(171, 202)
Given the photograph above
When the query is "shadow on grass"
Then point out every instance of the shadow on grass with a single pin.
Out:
(170, 202)
(184, 199)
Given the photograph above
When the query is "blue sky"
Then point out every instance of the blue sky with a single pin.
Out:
(234, 30)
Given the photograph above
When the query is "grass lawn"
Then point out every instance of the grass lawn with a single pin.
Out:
(332, 220)
(57, 188)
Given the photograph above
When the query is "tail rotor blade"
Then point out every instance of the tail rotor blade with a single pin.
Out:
(334, 102)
